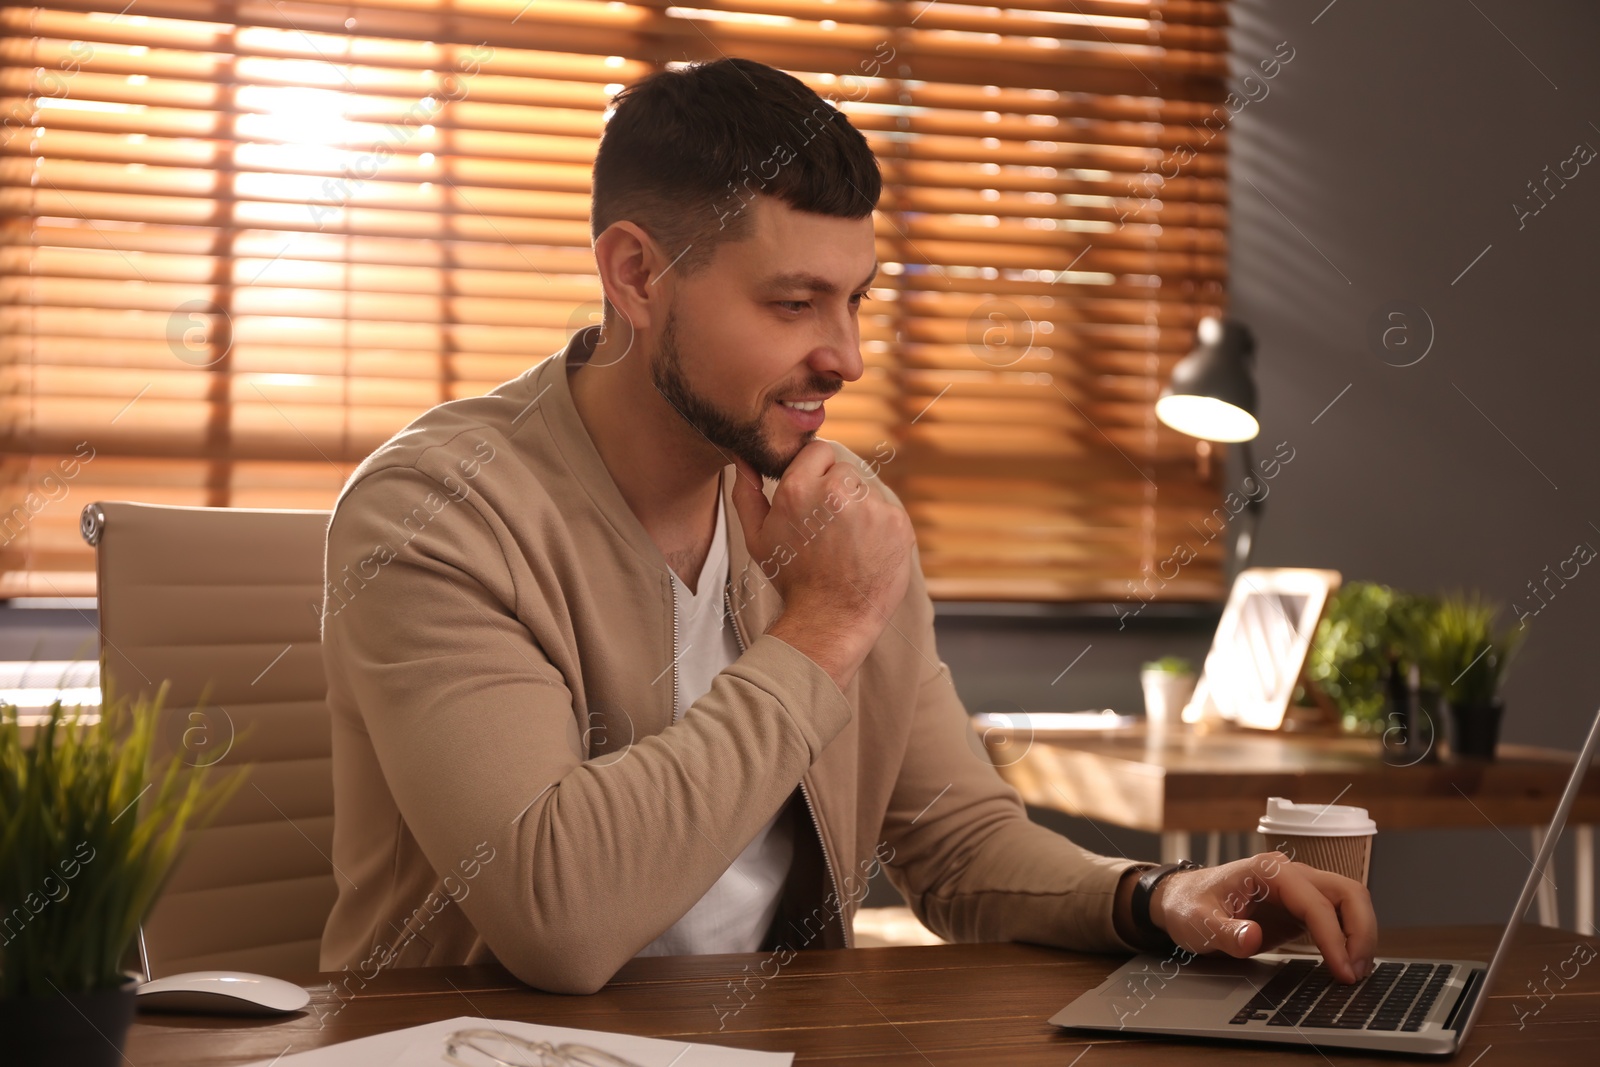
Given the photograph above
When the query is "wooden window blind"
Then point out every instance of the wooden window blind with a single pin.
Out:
(247, 240)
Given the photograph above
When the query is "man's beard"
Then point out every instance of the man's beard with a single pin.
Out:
(742, 438)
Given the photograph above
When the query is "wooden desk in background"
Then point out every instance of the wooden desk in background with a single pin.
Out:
(1217, 782)
(903, 1007)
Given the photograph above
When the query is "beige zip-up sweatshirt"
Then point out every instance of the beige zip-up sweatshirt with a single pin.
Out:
(497, 629)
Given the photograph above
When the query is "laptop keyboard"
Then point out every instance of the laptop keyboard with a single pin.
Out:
(1395, 996)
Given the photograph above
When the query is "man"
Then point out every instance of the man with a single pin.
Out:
(623, 659)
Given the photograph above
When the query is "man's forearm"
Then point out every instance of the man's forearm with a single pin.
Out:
(837, 644)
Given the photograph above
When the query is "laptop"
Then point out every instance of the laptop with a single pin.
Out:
(1405, 1005)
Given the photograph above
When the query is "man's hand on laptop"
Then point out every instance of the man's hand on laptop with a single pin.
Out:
(1255, 904)
(838, 553)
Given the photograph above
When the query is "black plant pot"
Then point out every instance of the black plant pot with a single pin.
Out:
(1411, 714)
(1473, 730)
(83, 1029)
(1427, 732)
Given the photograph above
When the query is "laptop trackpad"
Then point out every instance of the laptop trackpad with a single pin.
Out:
(1179, 987)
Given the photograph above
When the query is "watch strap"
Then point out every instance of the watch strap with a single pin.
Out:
(1143, 890)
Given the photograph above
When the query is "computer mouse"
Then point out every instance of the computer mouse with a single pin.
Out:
(222, 993)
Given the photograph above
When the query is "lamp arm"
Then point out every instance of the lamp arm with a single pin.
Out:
(1245, 542)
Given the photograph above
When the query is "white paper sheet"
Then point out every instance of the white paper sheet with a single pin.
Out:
(424, 1046)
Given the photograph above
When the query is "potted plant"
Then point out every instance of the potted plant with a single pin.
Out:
(1168, 684)
(1412, 686)
(1470, 660)
(1372, 656)
(1351, 653)
(89, 830)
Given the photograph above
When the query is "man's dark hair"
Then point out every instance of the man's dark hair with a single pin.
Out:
(687, 150)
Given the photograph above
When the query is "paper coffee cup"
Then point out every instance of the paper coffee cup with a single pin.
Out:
(1329, 837)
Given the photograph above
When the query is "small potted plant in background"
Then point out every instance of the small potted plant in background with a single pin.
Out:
(1168, 684)
(1470, 660)
(89, 830)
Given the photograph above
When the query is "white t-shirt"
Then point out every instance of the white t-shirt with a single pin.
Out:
(735, 912)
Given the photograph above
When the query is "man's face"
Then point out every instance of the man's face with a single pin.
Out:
(769, 323)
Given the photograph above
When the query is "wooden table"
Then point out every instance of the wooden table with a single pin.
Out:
(1217, 781)
(915, 1006)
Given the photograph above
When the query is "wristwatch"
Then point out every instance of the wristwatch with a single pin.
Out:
(1143, 890)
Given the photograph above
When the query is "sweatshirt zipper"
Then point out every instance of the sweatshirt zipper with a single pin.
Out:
(727, 605)
(805, 794)
(672, 712)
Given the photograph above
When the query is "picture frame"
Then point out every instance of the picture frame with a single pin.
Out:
(1260, 647)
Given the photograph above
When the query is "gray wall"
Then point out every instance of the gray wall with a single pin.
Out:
(1394, 146)
(1384, 157)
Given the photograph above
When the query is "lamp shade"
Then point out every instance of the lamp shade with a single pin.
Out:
(1212, 391)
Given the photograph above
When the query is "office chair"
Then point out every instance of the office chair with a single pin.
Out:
(229, 598)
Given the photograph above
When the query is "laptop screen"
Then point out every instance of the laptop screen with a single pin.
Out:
(1541, 866)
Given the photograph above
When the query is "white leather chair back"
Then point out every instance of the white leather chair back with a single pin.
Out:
(229, 597)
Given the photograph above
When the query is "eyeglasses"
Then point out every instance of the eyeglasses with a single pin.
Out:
(492, 1048)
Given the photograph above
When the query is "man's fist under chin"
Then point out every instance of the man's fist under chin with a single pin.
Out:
(827, 541)
(837, 550)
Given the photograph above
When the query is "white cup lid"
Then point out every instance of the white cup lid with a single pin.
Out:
(1315, 820)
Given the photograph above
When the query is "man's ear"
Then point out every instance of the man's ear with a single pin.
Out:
(631, 265)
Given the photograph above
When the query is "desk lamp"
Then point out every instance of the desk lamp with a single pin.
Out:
(1212, 396)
